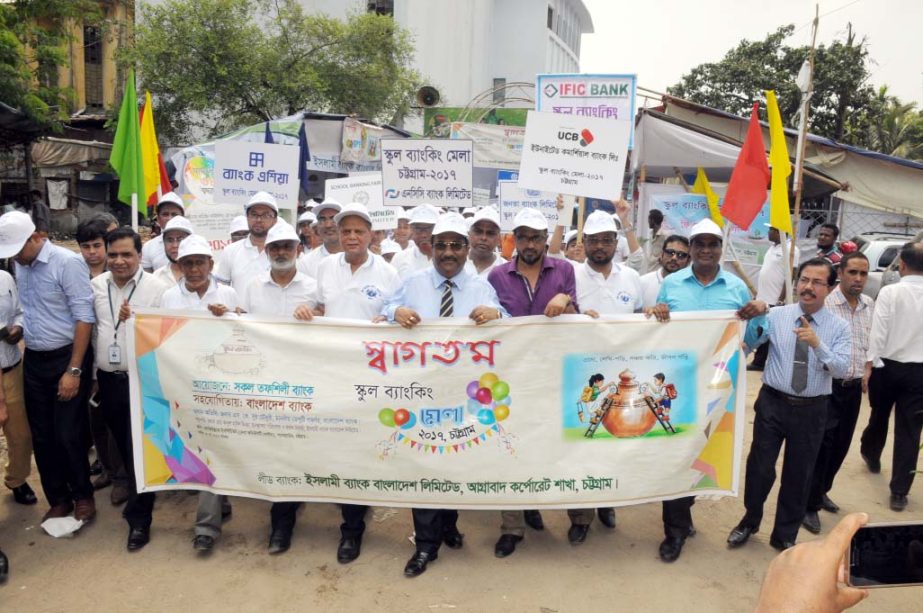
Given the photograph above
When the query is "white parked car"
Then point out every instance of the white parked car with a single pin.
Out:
(882, 249)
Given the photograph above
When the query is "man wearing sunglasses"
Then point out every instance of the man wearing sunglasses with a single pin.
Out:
(673, 257)
(445, 289)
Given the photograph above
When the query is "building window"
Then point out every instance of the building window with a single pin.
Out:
(93, 67)
(381, 7)
(550, 18)
(499, 91)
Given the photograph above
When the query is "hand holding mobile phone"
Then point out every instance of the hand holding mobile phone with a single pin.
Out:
(887, 555)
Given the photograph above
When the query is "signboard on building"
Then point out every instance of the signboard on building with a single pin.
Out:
(436, 171)
(604, 96)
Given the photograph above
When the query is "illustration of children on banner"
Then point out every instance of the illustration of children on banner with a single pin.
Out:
(589, 398)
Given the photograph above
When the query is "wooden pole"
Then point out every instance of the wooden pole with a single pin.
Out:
(581, 207)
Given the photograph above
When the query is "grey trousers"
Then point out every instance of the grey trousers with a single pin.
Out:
(513, 522)
(208, 514)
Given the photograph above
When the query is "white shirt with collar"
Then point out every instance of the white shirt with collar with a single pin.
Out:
(471, 268)
(240, 263)
(308, 262)
(409, 261)
(620, 292)
(10, 315)
(772, 274)
(180, 298)
(153, 255)
(164, 274)
(650, 287)
(142, 290)
(897, 323)
(263, 296)
(359, 295)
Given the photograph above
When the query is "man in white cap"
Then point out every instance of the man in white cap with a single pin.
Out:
(242, 261)
(200, 291)
(445, 289)
(177, 230)
(153, 256)
(771, 284)
(327, 230)
(58, 319)
(402, 232)
(674, 256)
(388, 249)
(278, 292)
(305, 230)
(354, 285)
(531, 284)
(702, 286)
(484, 238)
(423, 219)
(239, 228)
(115, 292)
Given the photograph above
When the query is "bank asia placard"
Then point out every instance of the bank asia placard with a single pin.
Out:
(567, 154)
(436, 171)
(519, 413)
(243, 169)
(604, 96)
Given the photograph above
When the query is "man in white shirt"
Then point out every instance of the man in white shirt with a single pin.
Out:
(417, 256)
(305, 230)
(115, 292)
(896, 355)
(200, 291)
(401, 234)
(176, 231)
(484, 238)
(153, 256)
(674, 256)
(242, 261)
(326, 229)
(355, 285)
(771, 284)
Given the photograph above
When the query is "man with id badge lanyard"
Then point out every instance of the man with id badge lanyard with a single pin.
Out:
(115, 292)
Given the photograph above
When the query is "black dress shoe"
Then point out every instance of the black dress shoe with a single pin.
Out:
(740, 534)
(279, 541)
(670, 548)
(506, 545)
(453, 540)
(606, 516)
(24, 494)
(4, 566)
(349, 549)
(138, 538)
(828, 505)
(780, 544)
(874, 466)
(203, 543)
(811, 522)
(577, 534)
(534, 520)
(898, 502)
(416, 565)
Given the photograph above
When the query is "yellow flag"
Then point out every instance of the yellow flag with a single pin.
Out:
(149, 150)
(702, 186)
(780, 217)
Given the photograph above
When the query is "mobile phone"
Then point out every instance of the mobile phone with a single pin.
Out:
(887, 555)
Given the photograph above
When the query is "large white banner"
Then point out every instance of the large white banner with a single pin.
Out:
(364, 189)
(244, 168)
(566, 154)
(519, 413)
(437, 171)
(606, 96)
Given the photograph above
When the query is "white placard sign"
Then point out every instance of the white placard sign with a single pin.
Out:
(436, 171)
(606, 96)
(567, 154)
(513, 199)
(243, 168)
(364, 189)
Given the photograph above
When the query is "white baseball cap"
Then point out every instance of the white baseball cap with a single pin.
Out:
(598, 222)
(569, 236)
(15, 229)
(172, 198)
(451, 222)
(355, 209)
(530, 218)
(238, 224)
(424, 213)
(194, 245)
(389, 246)
(468, 210)
(486, 214)
(307, 217)
(402, 214)
(264, 198)
(178, 223)
(280, 232)
(328, 203)
(706, 226)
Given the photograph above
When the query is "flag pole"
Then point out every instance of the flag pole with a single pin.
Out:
(134, 211)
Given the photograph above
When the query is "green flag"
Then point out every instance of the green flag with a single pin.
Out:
(126, 148)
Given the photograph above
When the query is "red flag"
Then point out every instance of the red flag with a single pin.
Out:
(746, 192)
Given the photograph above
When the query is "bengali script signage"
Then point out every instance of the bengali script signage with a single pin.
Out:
(436, 171)
(244, 168)
(605, 96)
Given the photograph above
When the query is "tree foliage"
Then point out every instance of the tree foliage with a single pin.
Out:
(845, 106)
(215, 65)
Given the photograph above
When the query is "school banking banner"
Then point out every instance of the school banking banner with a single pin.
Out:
(522, 413)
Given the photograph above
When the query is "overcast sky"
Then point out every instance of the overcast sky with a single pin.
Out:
(661, 40)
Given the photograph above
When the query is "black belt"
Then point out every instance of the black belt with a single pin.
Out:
(9, 368)
(118, 374)
(794, 400)
(52, 353)
(848, 382)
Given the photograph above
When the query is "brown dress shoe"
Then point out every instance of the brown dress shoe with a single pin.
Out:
(85, 509)
(59, 510)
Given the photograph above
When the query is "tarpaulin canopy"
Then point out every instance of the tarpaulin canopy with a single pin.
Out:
(52, 151)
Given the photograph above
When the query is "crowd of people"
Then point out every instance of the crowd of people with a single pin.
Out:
(824, 349)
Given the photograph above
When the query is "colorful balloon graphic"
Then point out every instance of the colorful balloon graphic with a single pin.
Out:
(401, 417)
(486, 416)
(488, 379)
(500, 389)
(411, 422)
(484, 396)
(472, 389)
(502, 412)
(474, 406)
(386, 417)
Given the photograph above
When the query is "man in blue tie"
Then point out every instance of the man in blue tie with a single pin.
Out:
(444, 289)
(809, 346)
